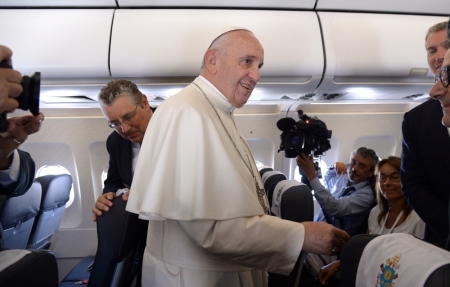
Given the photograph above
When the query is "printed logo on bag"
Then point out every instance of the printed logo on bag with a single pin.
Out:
(388, 272)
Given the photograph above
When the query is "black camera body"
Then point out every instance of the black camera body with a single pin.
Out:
(28, 99)
(308, 136)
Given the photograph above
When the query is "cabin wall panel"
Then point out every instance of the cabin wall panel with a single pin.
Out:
(261, 132)
(379, 131)
(353, 129)
(78, 134)
(99, 159)
(58, 153)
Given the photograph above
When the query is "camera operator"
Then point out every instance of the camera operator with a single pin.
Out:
(16, 166)
(346, 204)
(350, 197)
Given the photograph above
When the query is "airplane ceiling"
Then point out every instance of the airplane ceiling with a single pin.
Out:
(315, 51)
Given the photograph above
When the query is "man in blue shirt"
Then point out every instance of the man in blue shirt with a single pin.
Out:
(349, 198)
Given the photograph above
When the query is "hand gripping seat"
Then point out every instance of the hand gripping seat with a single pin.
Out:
(399, 267)
(55, 194)
(18, 217)
(292, 200)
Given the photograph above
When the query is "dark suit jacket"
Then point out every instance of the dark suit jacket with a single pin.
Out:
(426, 167)
(119, 173)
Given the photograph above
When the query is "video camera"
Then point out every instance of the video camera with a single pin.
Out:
(28, 99)
(308, 136)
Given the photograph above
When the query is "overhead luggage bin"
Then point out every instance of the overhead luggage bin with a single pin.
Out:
(58, 3)
(166, 47)
(294, 4)
(62, 43)
(375, 56)
(438, 7)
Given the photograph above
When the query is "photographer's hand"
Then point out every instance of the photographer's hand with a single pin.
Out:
(18, 130)
(341, 168)
(10, 86)
(306, 164)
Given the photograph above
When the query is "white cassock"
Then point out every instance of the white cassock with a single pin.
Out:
(207, 225)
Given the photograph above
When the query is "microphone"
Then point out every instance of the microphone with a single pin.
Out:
(285, 124)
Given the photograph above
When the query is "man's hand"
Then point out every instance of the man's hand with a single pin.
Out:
(323, 238)
(18, 130)
(10, 86)
(341, 168)
(306, 164)
(103, 203)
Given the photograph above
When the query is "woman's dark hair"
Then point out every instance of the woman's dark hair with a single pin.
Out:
(382, 201)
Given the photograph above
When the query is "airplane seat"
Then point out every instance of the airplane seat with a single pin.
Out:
(292, 201)
(18, 217)
(270, 180)
(55, 194)
(35, 268)
(398, 263)
(120, 239)
(264, 169)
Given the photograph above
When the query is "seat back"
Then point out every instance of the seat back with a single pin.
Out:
(270, 180)
(264, 169)
(18, 217)
(118, 234)
(351, 256)
(55, 194)
(35, 268)
(296, 204)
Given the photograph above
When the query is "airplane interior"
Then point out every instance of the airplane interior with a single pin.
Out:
(356, 65)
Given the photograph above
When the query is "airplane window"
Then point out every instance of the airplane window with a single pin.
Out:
(56, 170)
(104, 175)
(323, 167)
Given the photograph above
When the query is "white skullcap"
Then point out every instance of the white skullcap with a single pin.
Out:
(224, 30)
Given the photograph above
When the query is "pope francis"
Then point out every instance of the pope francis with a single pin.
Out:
(197, 183)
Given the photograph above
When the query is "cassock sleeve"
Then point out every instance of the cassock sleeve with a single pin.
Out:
(260, 242)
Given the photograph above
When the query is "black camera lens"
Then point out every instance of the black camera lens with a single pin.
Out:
(308, 136)
(28, 99)
(296, 140)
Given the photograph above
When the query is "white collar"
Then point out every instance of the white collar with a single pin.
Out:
(214, 95)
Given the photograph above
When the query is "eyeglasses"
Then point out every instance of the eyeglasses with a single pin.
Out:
(443, 76)
(127, 119)
(394, 177)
